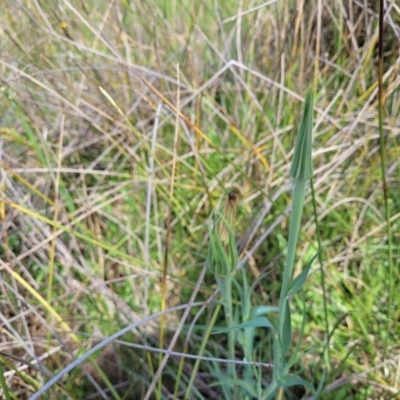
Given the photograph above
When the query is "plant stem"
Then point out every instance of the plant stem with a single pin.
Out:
(225, 285)
(384, 181)
(299, 189)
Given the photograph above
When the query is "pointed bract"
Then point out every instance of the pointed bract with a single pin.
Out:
(301, 168)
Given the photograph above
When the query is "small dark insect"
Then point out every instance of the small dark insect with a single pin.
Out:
(229, 213)
(232, 196)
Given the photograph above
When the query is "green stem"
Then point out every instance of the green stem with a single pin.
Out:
(299, 189)
(3, 382)
(196, 366)
(382, 155)
(322, 276)
(225, 286)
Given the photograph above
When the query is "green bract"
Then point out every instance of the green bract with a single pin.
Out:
(222, 259)
(301, 168)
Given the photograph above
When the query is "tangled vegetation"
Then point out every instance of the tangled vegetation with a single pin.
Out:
(125, 125)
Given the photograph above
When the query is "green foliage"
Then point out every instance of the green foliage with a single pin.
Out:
(222, 261)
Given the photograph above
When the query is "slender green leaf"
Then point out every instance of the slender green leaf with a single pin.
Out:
(271, 390)
(287, 330)
(298, 282)
(261, 310)
(295, 353)
(260, 322)
(293, 380)
(248, 386)
(321, 385)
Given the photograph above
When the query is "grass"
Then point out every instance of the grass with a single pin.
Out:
(105, 148)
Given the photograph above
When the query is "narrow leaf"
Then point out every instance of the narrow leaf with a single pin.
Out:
(260, 322)
(321, 385)
(261, 310)
(293, 380)
(287, 330)
(298, 282)
(237, 382)
(271, 390)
